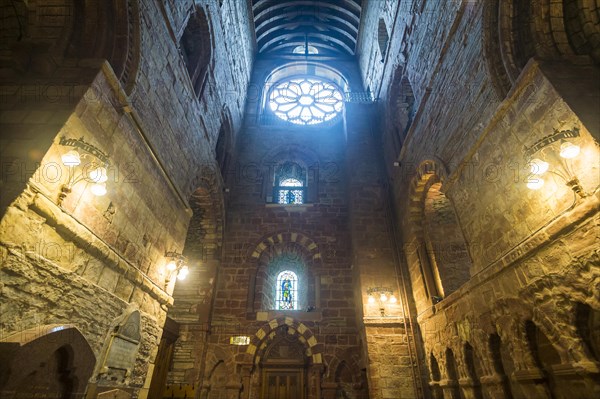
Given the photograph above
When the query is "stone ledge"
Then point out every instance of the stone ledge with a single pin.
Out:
(385, 321)
(291, 208)
(300, 315)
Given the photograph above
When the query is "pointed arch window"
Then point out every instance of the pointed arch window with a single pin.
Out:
(287, 291)
(290, 184)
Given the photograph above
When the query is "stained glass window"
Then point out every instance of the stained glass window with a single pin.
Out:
(287, 291)
(306, 101)
(289, 184)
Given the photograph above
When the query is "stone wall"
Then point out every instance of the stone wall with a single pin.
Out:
(529, 257)
(83, 261)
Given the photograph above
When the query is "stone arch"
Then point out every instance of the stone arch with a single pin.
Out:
(57, 357)
(473, 368)
(548, 30)
(344, 373)
(260, 340)
(587, 321)
(431, 170)
(442, 251)
(434, 376)
(451, 372)
(196, 46)
(118, 39)
(274, 253)
(307, 158)
(492, 49)
(555, 309)
(84, 30)
(501, 366)
(400, 111)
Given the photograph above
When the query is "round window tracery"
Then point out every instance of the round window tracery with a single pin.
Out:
(306, 101)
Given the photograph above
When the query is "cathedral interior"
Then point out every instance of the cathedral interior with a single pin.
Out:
(300, 199)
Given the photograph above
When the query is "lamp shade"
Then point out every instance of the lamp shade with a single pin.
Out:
(538, 167)
(98, 189)
(535, 184)
(98, 175)
(569, 150)
(71, 158)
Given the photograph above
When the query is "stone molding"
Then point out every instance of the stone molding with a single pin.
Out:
(94, 245)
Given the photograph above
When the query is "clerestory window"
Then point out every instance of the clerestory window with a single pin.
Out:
(306, 101)
(287, 291)
(290, 184)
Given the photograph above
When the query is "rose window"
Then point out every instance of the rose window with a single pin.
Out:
(306, 101)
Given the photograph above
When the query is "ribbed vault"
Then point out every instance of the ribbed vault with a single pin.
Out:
(331, 26)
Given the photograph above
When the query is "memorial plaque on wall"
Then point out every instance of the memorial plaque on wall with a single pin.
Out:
(124, 344)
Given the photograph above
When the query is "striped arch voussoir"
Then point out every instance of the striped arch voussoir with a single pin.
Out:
(267, 244)
(260, 341)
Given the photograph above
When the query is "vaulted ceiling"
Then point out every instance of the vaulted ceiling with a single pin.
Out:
(331, 26)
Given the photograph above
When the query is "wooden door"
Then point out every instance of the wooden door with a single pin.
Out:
(283, 384)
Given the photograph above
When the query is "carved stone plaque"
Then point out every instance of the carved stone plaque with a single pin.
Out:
(124, 344)
(121, 354)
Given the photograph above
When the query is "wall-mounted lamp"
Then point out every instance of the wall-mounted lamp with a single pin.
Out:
(542, 158)
(381, 296)
(176, 266)
(93, 170)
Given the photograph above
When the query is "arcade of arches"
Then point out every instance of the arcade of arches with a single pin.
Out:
(300, 199)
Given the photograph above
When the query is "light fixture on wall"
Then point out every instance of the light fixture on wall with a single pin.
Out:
(176, 266)
(85, 163)
(381, 296)
(553, 154)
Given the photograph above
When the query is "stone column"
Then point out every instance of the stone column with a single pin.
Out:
(527, 375)
(246, 381)
(449, 389)
(493, 386)
(374, 265)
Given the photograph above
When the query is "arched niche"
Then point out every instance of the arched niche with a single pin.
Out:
(195, 46)
(473, 369)
(278, 252)
(437, 242)
(588, 328)
(501, 362)
(52, 360)
(446, 248)
(305, 158)
(284, 365)
(544, 354)
(452, 374)
(435, 377)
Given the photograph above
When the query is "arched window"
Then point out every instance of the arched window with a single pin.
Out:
(287, 291)
(290, 184)
(306, 101)
(196, 49)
